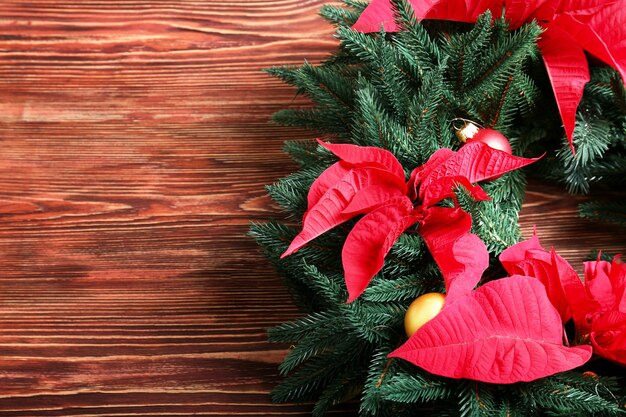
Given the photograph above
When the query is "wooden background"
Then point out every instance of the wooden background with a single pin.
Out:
(134, 147)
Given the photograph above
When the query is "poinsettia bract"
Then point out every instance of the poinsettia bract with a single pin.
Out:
(371, 181)
(597, 305)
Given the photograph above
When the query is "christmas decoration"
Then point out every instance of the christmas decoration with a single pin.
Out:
(570, 27)
(423, 309)
(465, 129)
(493, 139)
(370, 181)
(470, 132)
(597, 306)
(391, 210)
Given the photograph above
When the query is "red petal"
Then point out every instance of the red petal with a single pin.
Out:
(582, 8)
(610, 345)
(328, 212)
(563, 286)
(513, 257)
(600, 28)
(417, 176)
(609, 337)
(504, 332)
(325, 181)
(622, 299)
(366, 156)
(464, 10)
(461, 256)
(567, 292)
(475, 161)
(519, 12)
(380, 13)
(374, 196)
(599, 284)
(617, 275)
(371, 239)
(618, 278)
(540, 265)
(606, 282)
(445, 189)
(568, 71)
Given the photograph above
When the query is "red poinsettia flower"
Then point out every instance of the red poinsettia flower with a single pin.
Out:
(606, 284)
(508, 330)
(571, 27)
(597, 306)
(371, 181)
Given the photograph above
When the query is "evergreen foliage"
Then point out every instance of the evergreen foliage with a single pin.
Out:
(600, 142)
(613, 211)
(401, 92)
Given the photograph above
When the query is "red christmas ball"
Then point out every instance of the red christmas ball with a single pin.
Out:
(493, 139)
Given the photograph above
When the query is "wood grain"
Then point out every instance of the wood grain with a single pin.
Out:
(134, 147)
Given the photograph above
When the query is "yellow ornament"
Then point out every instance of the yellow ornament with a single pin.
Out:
(421, 310)
(464, 129)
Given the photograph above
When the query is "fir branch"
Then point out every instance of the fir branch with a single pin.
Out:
(294, 331)
(469, 47)
(319, 339)
(414, 43)
(339, 390)
(361, 45)
(274, 237)
(425, 114)
(375, 322)
(374, 126)
(569, 394)
(310, 380)
(288, 74)
(416, 388)
(308, 154)
(339, 16)
(475, 399)
(329, 288)
(591, 140)
(406, 288)
(322, 121)
(379, 366)
(503, 100)
(606, 211)
(357, 5)
(289, 192)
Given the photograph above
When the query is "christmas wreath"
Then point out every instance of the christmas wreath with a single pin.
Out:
(406, 253)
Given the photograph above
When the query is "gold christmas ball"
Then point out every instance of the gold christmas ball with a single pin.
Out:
(421, 310)
(466, 131)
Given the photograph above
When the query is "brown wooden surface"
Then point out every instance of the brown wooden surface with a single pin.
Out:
(134, 147)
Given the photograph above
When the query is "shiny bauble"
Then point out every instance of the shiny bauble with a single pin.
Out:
(493, 139)
(422, 310)
(466, 131)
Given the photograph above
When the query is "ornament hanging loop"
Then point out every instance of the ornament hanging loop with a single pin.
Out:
(464, 128)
